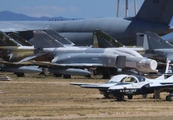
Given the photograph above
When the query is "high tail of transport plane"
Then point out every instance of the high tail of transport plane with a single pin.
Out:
(156, 11)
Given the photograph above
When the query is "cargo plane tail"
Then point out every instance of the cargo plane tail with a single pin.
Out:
(156, 11)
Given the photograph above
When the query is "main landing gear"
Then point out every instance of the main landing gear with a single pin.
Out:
(168, 97)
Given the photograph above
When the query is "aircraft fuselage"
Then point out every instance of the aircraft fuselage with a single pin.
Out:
(80, 31)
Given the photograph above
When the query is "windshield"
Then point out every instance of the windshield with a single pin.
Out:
(129, 79)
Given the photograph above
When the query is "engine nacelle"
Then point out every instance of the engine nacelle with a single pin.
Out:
(142, 64)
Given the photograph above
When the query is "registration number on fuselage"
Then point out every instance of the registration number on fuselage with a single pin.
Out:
(127, 90)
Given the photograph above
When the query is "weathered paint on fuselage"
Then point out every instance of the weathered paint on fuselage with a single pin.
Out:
(14, 53)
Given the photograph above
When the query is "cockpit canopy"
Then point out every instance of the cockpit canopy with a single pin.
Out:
(133, 79)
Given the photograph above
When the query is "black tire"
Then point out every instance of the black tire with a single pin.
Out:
(106, 75)
(67, 76)
(168, 98)
(106, 95)
(57, 75)
(130, 97)
(20, 74)
(144, 95)
(120, 98)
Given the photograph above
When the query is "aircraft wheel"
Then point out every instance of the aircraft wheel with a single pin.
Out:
(67, 76)
(57, 75)
(106, 95)
(144, 95)
(168, 98)
(106, 76)
(19, 74)
(130, 96)
(120, 98)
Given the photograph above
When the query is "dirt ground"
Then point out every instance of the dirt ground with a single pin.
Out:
(46, 97)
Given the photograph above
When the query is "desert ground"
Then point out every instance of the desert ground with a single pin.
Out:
(53, 98)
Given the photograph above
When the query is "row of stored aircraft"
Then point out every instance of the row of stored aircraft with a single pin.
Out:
(154, 15)
(64, 47)
(65, 58)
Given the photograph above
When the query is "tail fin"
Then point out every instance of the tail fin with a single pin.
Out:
(61, 39)
(19, 39)
(44, 40)
(156, 42)
(169, 67)
(102, 40)
(153, 41)
(158, 11)
(5, 40)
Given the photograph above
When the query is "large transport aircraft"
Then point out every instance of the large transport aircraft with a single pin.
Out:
(154, 15)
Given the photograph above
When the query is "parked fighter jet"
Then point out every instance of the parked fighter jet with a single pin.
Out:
(156, 47)
(123, 29)
(86, 57)
(103, 40)
(13, 50)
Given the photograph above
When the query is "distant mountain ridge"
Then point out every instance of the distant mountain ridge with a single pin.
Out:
(11, 16)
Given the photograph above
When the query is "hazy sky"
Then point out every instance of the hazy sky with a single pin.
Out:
(68, 8)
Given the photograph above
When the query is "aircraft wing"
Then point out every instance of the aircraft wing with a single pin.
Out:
(161, 85)
(97, 86)
(80, 84)
(92, 85)
(31, 57)
(15, 63)
(66, 65)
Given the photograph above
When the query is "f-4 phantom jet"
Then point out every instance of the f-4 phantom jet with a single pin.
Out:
(86, 57)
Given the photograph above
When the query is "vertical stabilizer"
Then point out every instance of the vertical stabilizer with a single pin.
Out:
(5, 40)
(44, 40)
(19, 39)
(158, 11)
(58, 37)
(142, 40)
(102, 40)
(156, 42)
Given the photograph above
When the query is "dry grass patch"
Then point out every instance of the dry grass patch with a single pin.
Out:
(47, 97)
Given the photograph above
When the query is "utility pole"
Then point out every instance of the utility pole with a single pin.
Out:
(127, 8)
(118, 7)
(135, 7)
